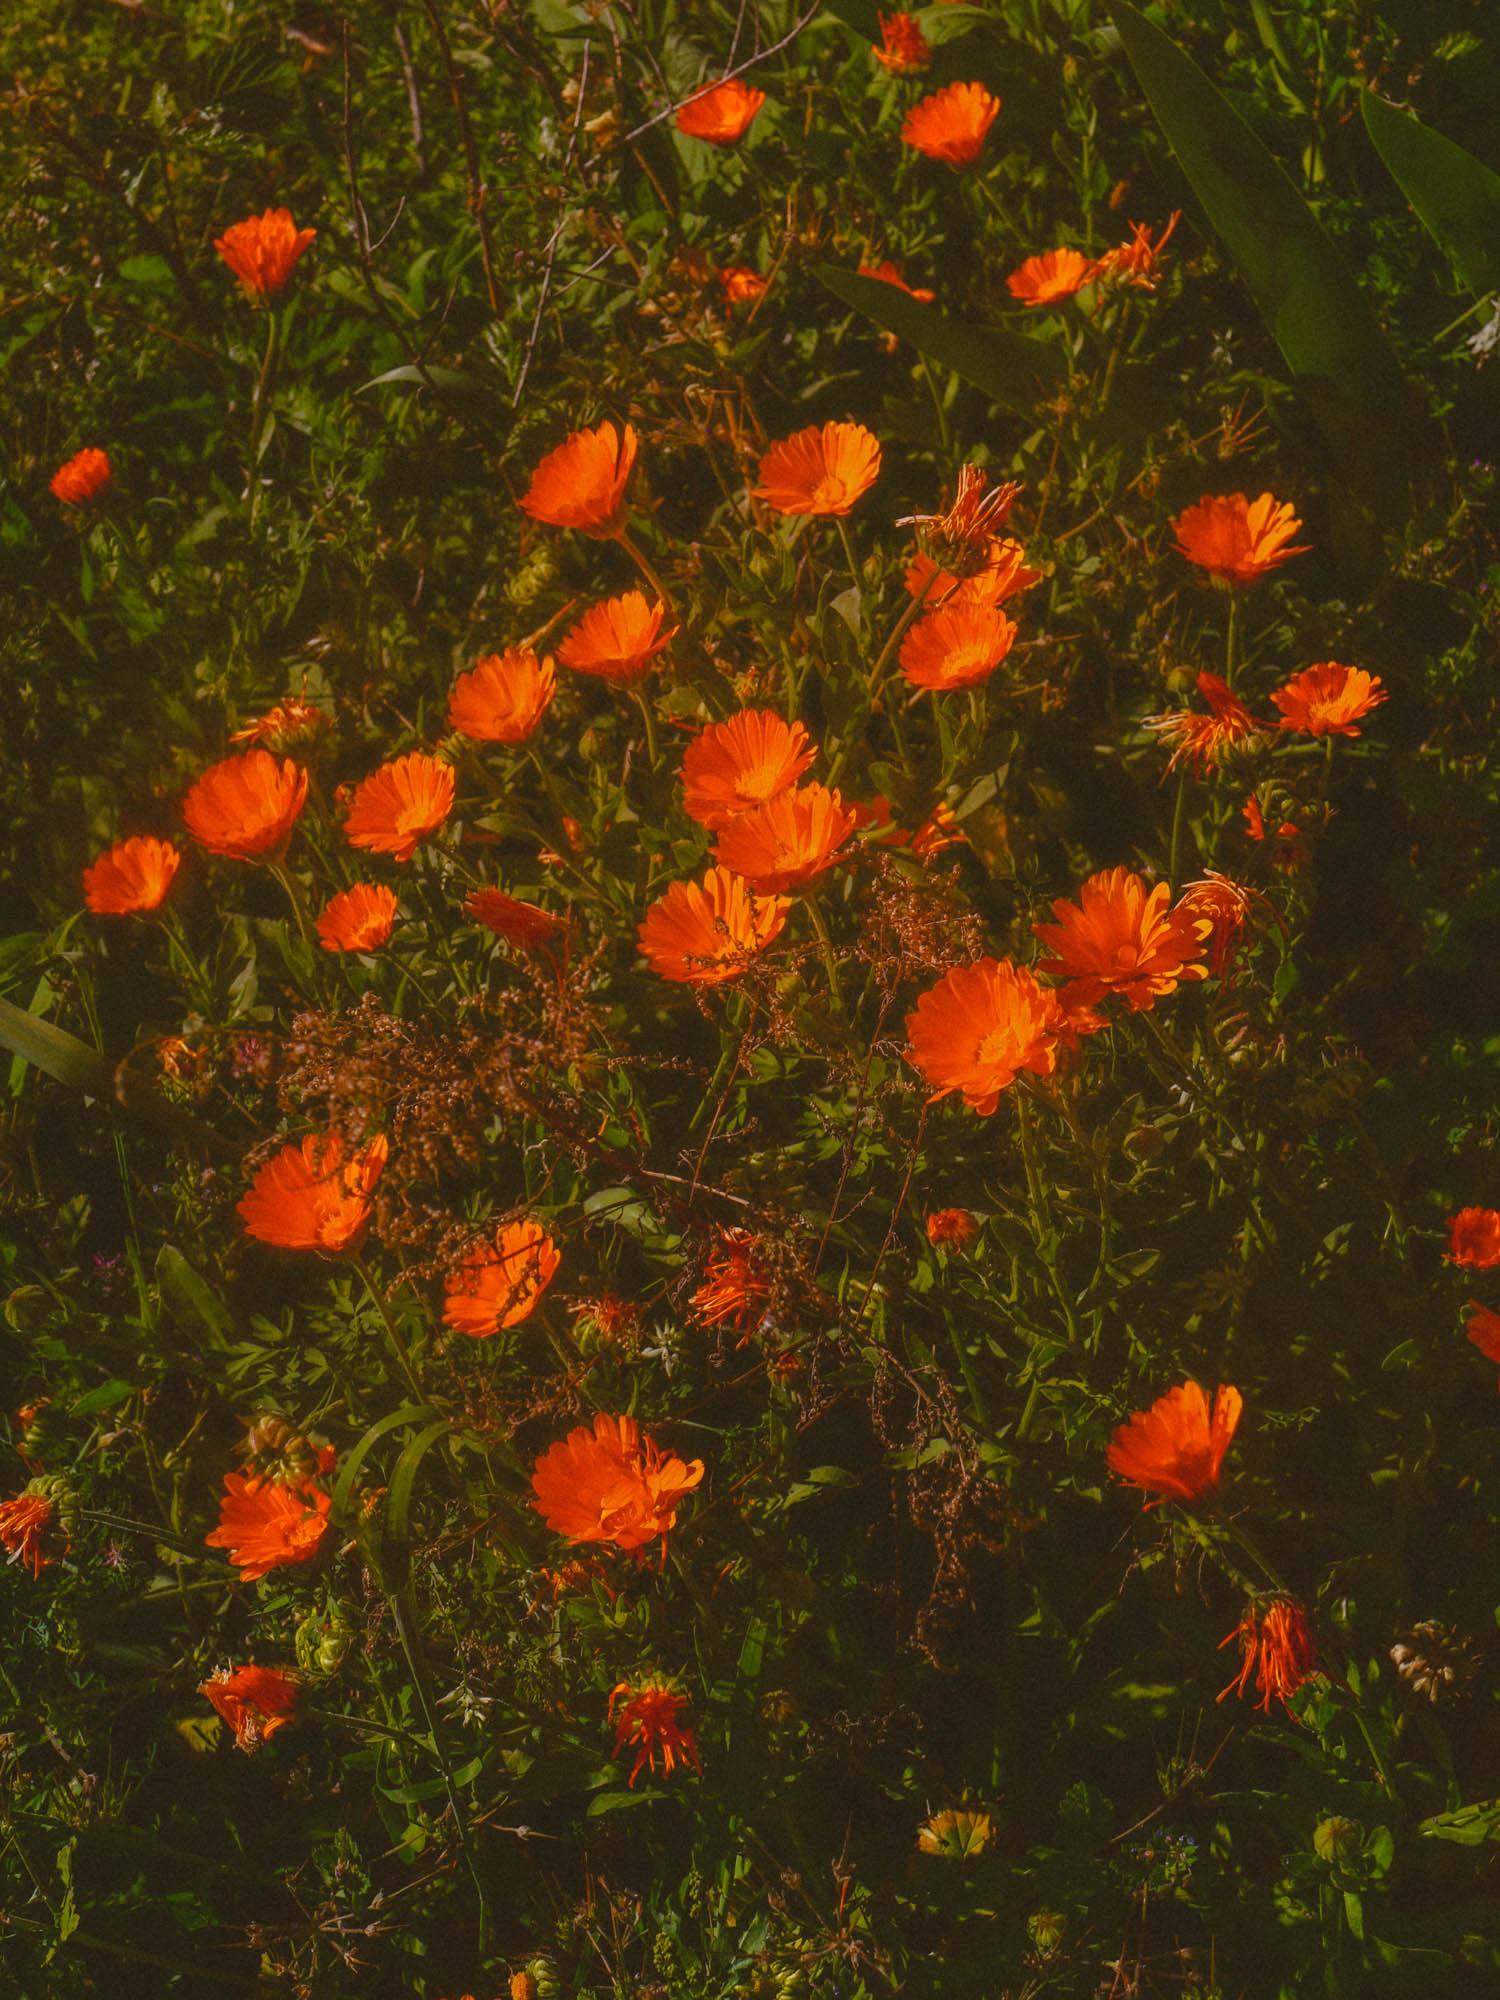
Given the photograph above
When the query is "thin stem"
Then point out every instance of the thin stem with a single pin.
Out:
(843, 527)
(649, 720)
(944, 435)
(1231, 637)
(825, 947)
(261, 406)
(398, 1346)
(1179, 817)
(638, 556)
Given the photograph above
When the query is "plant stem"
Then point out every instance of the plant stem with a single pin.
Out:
(650, 721)
(638, 556)
(261, 406)
(825, 946)
(843, 527)
(398, 1347)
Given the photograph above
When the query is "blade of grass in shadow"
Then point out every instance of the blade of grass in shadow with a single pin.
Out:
(1456, 197)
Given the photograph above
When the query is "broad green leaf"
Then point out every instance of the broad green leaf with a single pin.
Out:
(1468, 1827)
(1456, 196)
(189, 1298)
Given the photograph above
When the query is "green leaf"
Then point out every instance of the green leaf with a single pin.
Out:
(409, 1413)
(54, 1051)
(188, 1298)
(1457, 197)
(448, 379)
(607, 1802)
(395, 1539)
(1468, 1827)
(105, 1397)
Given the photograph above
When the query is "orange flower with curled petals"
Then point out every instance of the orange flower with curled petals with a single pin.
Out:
(887, 273)
(503, 696)
(246, 806)
(821, 470)
(86, 473)
(1121, 938)
(951, 124)
(978, 1028)
(616, 641)
(977, 512)
(500, 1286)
(1054, 275)
(952, 1229)
(1474, 1239)
(133, 876)
(23, 1523)
(702, 933)
(787, 840)
(267, 1524)
(1327, 699)
(1176, 1449)
(253, 1701)
(904, 49)
(649, 1724)
(509, 918)
(956, 647)
(1005, 574)
(395, 808)
(1276, 1644)
(292, 720)
(1135, 263)
(262, 251)
(1483, 1328)
(357, 919)
(1237, 540)
(734, 1283)
(310, 1197)
(1288, 848)
(582, 484)
(612, 1484)
(721, 114)
(1203, 739)
(731, 767)
(1225, 906)
(741, 285)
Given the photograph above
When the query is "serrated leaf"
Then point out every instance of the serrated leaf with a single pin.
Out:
(1456, 197)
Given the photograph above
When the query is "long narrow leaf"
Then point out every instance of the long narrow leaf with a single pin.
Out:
(54, 1051)
(1456, 196)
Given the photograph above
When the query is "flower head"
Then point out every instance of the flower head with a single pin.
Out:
(1235, 539)
(582, 483)
(978, 1028)
(611, 1484)
(1120, 937)
(23, 1523)
(701, 933)
(1003, 573)
(821, 470)
(956, 647)
(971, 522)
(904, 49)
(1175, 1449)
(956, 1836)
(500, 1286)
(1203, 739)
(952, 1229)
(741, 285)
(395, 808)
(310, 1197)
(1288, 848)
(1327, 699)
(268, 1523)
(86, 473)
(357, 919)
(1483, 1328)
(503, 696)
(1225, 906)
(509, 918)
(1276, 1645)
(1135, 263)
(134, 875)
(787, 840)
(721, 114)
(262, 251)
(293, 719)
(887, 273)
(648, 1722)
(734, 1283)
(245, 806)
(254, 1701)
(1474, 1239)
(951, 124)
(732, 767)
(1054, 275)
(616, 640)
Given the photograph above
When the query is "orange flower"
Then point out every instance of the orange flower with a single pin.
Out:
(616, 640)
(611, 1484)
(1005, 575)
(822, 470)
(904, 49)
(503, 696)
(1225, 906)
(1236, 539)
(956, 647)
(787, 840)
(292, 720)
(134, 875)
(267, 1523)
(1277, 1647)
(23, 1522)
(733, 1284)
(246, 806)
(309, 1197)
(1054, 275)
(702, 933)
(742, 286)
(1175, 1449)
(86, 473)
(357, 919)
(722, 113)
(395, 808)
(1327, 700)
(952, 1229)
(736, 765)
(978, 1028)
(262, 251)
(1134, 263)
(648, 1721)
(582, 483)
(1474, 1239)
(500, 1287)
(1121, 938)
(516, 922)
(887, 273)
(974, 516)
(1288, 848)
(1483, 1328)
(1203, 739)
(254, 1701)
(951, 124)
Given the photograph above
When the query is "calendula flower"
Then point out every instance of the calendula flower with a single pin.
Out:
(294, 719)
(262, 251)
(1054, 275)
(957, 1836)
(133, 876)
(616, 641)
(1276, 1644)
(1176, 1449)
(787, 840)
(971, 522)
(1121, 938)
(503, 696)
(956, 647)
(245, 806)
(500, 1286)
(1203, 739)
(887, 273)
(395, 808)
(952, 1229)
(822, 470)
(311, 1197)
(1237, 540)
(1225, 906)
(1483, 1328)
(357, 919)
(951, 124)
(612, 1484)
(735, 765)
(701, 933)
(253, 1701)
(1004, 573)
(86, 473)
(648, 1722)
(904, 49)
(1474, 1239)
(267, 1524)
(23, 1523)
(741, 286)
(734, 1284)
(1288, 848)
(582, 484)
(517, 922)
(1135, 263)
(721, 114)
(978, 1028)
(1327, 699)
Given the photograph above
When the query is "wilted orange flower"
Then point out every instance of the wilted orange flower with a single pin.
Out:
(733, 766)
(357, 919)
(1483, 1328)
(904, 49)
(582, 483)
(499, 1287)
(267, 1523)
(1203, 739)
(1175, 1449)
(952, 1229)
(1005, 574)
(292, 720)
(700, 933)
(722, 113)
(245, 806)
(887, 273)
(611, 1484)
(262, 251)
(1134, 263)
(503, 696)
(733, 1283)
(956, 647)
(254, 1701)
(648, 1721)
(971, 521)
(1288, 848)
(86, 473)
(1474, 1239)
(822, 470)
(134, 875)
(1327, 699)
(1055, 274)
(616, 640)
(23, 1523)
(787, 840)
(395, 808)
(517, 922)
(741, 285)
(978, 1028)
(1277, 1647)
(951, 124)
(1225, 905)
(309, 1197)
(1236, 539)
(1120, 937)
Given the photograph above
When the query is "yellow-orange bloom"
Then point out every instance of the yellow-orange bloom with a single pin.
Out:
(1175, 1449)
(254, 1701)
(951, 124)
(357, 919)
(246, 806)
(733, 766)
(509, 918)
(617, 640)
(1135, 263)
(1327, 699)
(741, 285)
(734, 1284)
(904, 49)
(952, 1229)
(887, 273)
(722, 113)
(1005, 574)
(582, 483)
(648, 1721)
(1203, 739)
(822, 470)
(262, 251)
(1224, 905)
(701, 933)
(86, 473)
(309, 1197)
(1235, 539)
(292, 720)
(788, 840)
(503, 696)
(956, 647)
(1054, 275)
(1120, 937)
(500, 1286)
(612, 1484)
(23, 1523)
(1276, 1644)
(978, 1028)
(395, 808)
(1474, 1239)
(134, 875)
(268, 1523)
